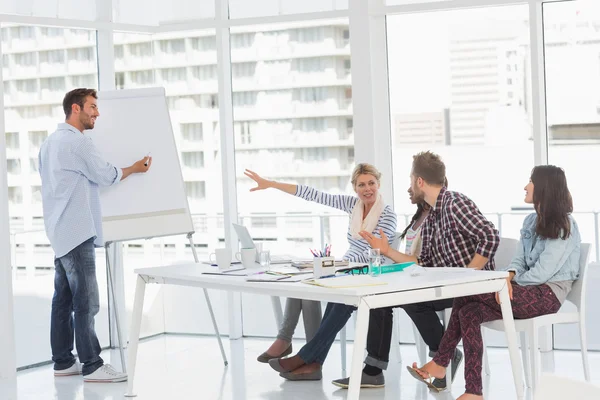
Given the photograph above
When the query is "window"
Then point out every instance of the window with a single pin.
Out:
(54, 84)
(15, 195)
(245, 99)
(41, 71)
(572, 66)
(454, 102)
(195, 191)
(12, 140)
(25, 59)
(185, 63)
(85, 54)
(85, 81)
(191, 132)
(242, 40)
(34, 165)
(173, 75)
(288, 127)
(27, 85)
(13, 166)
(141, 78)
(193, 160)
(172, 46)
(206, 43)
(36, 138)
(140, 49)
(205, 72)
(243, 70)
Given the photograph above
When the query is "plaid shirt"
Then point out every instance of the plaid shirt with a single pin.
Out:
(454, 231)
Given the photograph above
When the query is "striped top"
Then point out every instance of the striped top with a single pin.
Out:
(72, 171)
(356, 251)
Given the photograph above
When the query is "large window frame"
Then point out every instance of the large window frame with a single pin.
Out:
(367, 21)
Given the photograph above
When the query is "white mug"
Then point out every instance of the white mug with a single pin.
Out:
(222, 257)
(247, 257)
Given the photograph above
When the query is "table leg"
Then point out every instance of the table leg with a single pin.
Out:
(277, 311)
(134, 333)
(360, 343)
(511, 339)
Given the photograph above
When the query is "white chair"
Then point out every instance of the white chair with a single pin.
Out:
(395, 338)
(529, 328)
(553, 387)
(503, 257)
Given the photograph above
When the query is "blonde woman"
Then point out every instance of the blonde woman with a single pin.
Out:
(367, 212)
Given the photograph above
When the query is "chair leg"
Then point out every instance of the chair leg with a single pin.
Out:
(421, 346)
(343, 349)
(584, 353)
(526, 363)
(534, 351)
(486, 361)
(396, 335)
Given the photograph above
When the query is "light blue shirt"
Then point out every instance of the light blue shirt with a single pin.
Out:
(72, 171)
(540, 260)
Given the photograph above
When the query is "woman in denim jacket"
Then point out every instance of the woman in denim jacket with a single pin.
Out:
(541, 275)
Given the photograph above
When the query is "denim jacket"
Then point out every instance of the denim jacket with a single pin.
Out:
(540, 260)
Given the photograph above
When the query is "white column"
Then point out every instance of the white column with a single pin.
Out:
(106, 81)
(540, 123)
(8, 361)
(230, 210)
(538, 82)
(370, 90)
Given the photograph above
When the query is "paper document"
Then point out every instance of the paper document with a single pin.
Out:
(346, 281)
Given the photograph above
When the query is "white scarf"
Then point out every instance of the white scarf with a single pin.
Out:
(369, 223)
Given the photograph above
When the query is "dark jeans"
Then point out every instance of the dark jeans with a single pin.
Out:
(75, 295)
(379, 336)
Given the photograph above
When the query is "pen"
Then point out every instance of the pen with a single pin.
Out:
(147, 156)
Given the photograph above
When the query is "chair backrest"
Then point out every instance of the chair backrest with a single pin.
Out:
(505, 252)
(397, 240)
(577, 293)
(552, 387)
(395, 245)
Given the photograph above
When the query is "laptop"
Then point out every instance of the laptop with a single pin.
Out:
(247, 242)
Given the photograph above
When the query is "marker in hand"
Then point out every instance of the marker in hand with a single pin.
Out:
(147, 158)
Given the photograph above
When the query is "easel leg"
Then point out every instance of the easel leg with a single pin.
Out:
(208, 303)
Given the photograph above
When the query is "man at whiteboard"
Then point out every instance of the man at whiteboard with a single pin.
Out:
(72, 171)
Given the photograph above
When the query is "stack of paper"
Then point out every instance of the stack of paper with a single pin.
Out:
(346, 281)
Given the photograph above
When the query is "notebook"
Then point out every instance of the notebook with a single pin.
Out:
(346, 281)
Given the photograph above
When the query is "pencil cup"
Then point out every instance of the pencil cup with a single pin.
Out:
(323, 266)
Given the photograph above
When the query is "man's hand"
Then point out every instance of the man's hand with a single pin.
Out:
(138, 167)
(510, 288)
(377, 243)
(142, 165)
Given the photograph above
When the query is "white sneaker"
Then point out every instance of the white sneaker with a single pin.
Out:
(105, 374)
(74, 369)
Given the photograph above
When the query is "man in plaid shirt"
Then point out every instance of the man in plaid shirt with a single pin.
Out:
(454, 234)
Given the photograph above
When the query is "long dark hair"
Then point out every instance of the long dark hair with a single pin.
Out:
(552, 201)
(422, 206)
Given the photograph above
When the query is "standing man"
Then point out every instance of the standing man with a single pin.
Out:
(72, 171)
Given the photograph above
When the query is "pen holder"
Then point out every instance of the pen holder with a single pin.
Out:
(323, 266)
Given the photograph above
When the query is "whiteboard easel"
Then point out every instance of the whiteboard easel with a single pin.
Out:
(135, 122)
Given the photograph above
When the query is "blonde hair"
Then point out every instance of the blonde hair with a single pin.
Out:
(365, 169)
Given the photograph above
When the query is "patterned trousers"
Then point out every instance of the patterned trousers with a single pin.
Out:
(468, 313)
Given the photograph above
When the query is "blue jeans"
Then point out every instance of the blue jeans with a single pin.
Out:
(334, 319)
(75, 295)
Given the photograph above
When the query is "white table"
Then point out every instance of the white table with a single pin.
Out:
(401, 288)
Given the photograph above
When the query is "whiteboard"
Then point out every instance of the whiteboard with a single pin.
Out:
(133, 123)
